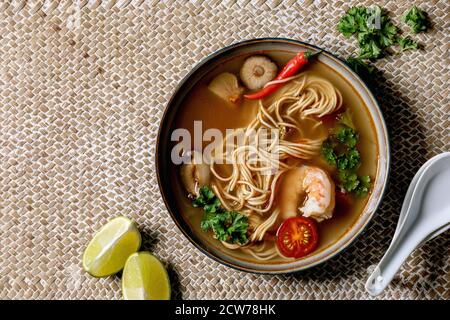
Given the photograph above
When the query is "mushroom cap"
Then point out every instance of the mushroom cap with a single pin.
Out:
(257, 71)
(226, 86)
(194, 173)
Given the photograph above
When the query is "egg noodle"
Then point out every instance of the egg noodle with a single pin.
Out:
(248, 184)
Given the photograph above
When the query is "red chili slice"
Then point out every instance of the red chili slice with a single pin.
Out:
(289, 70)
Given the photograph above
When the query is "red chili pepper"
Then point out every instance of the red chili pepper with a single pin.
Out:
(289, 70)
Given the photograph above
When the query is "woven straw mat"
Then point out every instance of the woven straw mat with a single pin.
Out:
(82, 92)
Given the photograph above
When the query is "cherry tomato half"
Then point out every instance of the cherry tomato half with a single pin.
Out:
(297, 237)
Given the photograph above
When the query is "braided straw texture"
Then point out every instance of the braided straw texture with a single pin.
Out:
(82, 93)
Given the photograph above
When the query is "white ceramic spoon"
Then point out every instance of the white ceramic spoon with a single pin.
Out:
(408, 196)
(425, 214)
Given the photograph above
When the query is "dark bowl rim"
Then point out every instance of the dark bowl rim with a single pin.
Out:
(218, 259)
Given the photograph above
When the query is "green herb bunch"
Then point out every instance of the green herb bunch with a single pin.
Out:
(376, 32)
(416, 19)
(228, 226)
(340, 150)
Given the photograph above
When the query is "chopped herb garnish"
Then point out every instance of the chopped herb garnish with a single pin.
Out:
(340, 150)
(360, 67)
(407, 43)
(348, 180)
(328, 153)
(347, 136)
(207, 200)
(417, 19)
(375, 33)
(373, 27)
(228, 226)
(363, 186)
(349, 160)
(353, 21)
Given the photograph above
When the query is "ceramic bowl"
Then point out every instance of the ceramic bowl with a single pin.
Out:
(257, 46)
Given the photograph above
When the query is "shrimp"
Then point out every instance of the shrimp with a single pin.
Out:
(320, 197)
(194, 173)
(314, 187)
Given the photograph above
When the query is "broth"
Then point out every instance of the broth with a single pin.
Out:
(214, 112)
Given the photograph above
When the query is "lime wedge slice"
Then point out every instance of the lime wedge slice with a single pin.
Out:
(145, 278)
(108, 251)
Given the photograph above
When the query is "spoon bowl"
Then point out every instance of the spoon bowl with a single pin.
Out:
(425, 214)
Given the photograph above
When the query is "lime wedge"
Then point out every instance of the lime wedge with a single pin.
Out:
(145, 278)
(108, 251)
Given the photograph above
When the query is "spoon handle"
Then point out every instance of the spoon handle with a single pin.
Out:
(399, 250)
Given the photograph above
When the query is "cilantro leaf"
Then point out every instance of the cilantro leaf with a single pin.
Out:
(207, 200)
(407, 43)
(353, 21)
(388, 34)
(328, 151)
(416, 19)
(347, 136)
(348, 160)
(360, 67)
(348, 180)
(237, 230)
(363, 186)
(374, 30)
(369, 46)
(339, 150)
(228, 226)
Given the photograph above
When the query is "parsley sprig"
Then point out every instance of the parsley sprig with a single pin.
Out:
(407, 43)
(351, 182)
(228, 226)
(416, 19)
(360, 67)
(340, 150)
(376, 33)
(374, 30)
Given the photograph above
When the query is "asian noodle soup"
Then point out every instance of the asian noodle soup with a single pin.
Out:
(296, 175)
